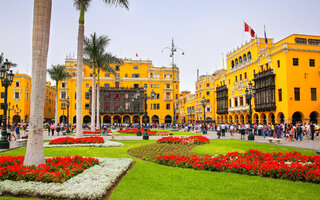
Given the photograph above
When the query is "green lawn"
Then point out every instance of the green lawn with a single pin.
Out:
(148, 180)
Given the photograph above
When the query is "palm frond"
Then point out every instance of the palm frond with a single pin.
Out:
(84, 3)
(121, 3)
(58, 73)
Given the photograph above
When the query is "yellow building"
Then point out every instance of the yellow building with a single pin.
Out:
(117, 91)
(19, 100)
(286, 76)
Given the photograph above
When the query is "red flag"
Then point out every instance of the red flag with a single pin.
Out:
(247, 28)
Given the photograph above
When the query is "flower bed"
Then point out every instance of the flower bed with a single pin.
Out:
(84, 140)
(93, 183)
(98, 131)
(291, 166)
(107, 143)
(197, 139)
(135, 130)
(57, 169)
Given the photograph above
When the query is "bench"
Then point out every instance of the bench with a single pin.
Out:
(22, 141)
(275, 140)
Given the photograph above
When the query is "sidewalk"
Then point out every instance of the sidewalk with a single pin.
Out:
(304, 144)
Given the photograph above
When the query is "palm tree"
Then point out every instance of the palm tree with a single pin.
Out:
(40, 44)
(58, 73)
(94, 47)
(82, 6)
(103, 63)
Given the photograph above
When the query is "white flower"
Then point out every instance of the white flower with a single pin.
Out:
(93, 183)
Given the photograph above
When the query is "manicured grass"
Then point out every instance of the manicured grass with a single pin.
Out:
(225, 146)
(148, 180)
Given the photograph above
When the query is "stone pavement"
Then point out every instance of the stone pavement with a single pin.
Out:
(304, 144)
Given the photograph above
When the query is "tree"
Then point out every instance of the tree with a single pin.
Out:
(40, 44)
(82, 6)
(94, 48)
(103, 63)
(58, 73)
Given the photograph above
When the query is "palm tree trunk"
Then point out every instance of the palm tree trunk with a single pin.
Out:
(56, 112)
(98, 102)
(93, 102)
(79, 132)
(40, 44)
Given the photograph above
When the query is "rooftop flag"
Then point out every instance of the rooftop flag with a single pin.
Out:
(247, 28)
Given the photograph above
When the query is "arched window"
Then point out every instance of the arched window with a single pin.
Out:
(244, 58)
(240, 60)
(236, 61)
(249, 56)
(232, 64)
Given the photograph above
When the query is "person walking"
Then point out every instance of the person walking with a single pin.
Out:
(17, 131)
(312, 130)
(58, 129)
(300, 131)
(52, 128)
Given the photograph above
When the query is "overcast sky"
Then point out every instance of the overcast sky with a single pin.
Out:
(204, 29)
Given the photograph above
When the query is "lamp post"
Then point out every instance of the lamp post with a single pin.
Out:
(6, 80)
(9, 109)
(173, 49)
(250, 92)
(204, 102)
(68, 104)
(16, 111)
(121, 110)
(136, 101)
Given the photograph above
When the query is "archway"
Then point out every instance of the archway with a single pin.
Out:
(263, 117)
(314, 117)
(230, 119)
(280, 116)
(168, 119)
(74, 120)
(145, 119)
(296, 117)
(86, 119)
(63, 119)
(126, 119)
(236, 118)
(106, 119)
(218, 119)
(247, 118)
(135, 119)
(16, 119)
(155, 119)
(209, 120)
(116, 119)
(272, 118)
(255, 118)
(241, 118)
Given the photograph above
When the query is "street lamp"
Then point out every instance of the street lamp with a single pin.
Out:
(145, 98)
(250, 92)
(204, 102)
(136, 101)
(6, 80)
(68, 104)
(121, 110)
(173, 49)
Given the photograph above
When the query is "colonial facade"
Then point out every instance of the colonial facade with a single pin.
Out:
(286, 77)
(19, 94)
(117, 92)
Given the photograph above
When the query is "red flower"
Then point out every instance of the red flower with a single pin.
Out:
(84, 140)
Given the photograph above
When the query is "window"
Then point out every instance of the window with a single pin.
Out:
(168, 106)
(117, 68)
(241, 101)
(135, 67)
(117, 75)
(145, 86)
(75, 95)
(126, 75)
(86, 106)
(17, 84)
(126, 96)
(63, 106)
(151, 75)
(107, 75)
(106, 85)
(158, 96)
(313, 42)
(17, 95)
(311, 62)
(176, 96)
(135, 75)
(87, 84)
(245, 75)
(280, 94)
(117, 85)
(229, 102)
(158, 106)
(87, 95)
(301, 40)
(236, 78)
(240, 77)
(168, 95)
(297, 94)
(75, 106)
(208, 93)
(63, 85)
(313, 94)
(236, 102)
(208, 84)
(63, 95)
(136, 85)
(208, 109)
(167, 85)
(73, 74)
(2, 95)
(278, 63)
(118, 96)
(127, 105)
(295, 61)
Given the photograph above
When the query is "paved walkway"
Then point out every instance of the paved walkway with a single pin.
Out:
(305, 143)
